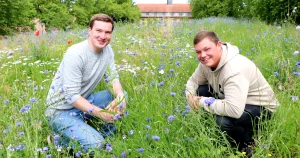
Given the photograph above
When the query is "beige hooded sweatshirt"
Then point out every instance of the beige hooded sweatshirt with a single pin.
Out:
(236, 82)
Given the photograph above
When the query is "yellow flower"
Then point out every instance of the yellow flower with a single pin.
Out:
(244, 153)
(269, 155)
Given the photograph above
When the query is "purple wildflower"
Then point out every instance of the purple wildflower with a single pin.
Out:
(171, 118)
(148, 119)
(131, 132)
(120, 106)
(11, 147)
(20, 147)
(48, 156)
(33, 99)
(298, 63)
(172, 70)
(161, 83)
(123, 154)
(276, 73)
(173, 94)
(126, 113)
(21, 133)
(106, 79)
(46, 71)
(117, 117)
(156, 138)
(56, 137)
(148, 127)
(90, 110)
(108, 147)
(25, 108)
(18, 124)
(35, 88)
(178, 63)
(209, 101)
(45, 149)
(78, 154)
(141, 150)
(6, 101)
(297, 73)
(295, 98)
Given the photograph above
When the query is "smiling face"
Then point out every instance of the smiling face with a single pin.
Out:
(209, 53)
(99, 35)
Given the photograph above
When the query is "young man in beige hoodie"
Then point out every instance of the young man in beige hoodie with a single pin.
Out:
(231, 86)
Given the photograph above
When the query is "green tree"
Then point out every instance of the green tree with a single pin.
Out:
(56, 15)
(208, 8)
(15, 14)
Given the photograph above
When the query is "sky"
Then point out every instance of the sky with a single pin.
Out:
(159, 1)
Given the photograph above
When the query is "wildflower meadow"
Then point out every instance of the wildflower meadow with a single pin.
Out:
(154, 58)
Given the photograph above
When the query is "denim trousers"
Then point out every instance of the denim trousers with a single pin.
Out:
(72, 124)
(239, 131)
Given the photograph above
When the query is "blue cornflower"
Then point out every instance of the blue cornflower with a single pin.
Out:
(48, 156)
(297, 73)
(295, 98)
(178, 63)
(141, 150)
(11, 147)
(33, 99)
(46, 71)
(120, 106)
(25, 108)
(172, 70)
(131, 132)
(148, 127)
(6, 101)
(21, 133)
(18, 124)
(106, 79)
(276, 73)
(117, 117)
(20, 147)
(108, 147)
(185, 112)
(188, 107)
(161, 83)
(209, 101)
(148, 119)
(156, 138)
(298, 63)
(173, 94)
(126, 113)
(45, 149)
(90, 110)
(78, 154)
(123, 154)
(35, 88)
(176, 109)
(56, 137)
(171, 118)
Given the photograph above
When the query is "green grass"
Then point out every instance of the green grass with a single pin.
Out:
(141, 49)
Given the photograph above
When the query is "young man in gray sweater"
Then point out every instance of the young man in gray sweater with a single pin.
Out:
(70, 99)
(230, 86)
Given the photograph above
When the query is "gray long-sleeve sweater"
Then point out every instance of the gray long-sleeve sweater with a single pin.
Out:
(78, 75)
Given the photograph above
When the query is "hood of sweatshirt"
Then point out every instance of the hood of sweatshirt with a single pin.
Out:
(226, 56)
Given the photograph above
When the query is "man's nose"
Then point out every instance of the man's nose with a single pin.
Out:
(102, 35)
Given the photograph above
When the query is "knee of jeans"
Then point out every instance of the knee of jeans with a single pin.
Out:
(90, 144)
(225, 123)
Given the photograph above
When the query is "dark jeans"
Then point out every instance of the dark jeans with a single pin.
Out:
(241, 130)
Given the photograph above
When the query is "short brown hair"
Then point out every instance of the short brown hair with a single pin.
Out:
(206, 34)
(101, 17)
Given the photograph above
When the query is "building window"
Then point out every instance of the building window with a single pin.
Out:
(147, 13)
(169, 2)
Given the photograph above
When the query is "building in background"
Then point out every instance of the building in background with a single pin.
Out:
(164, 8)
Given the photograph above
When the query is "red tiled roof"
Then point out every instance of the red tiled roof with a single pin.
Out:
(164, 8)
